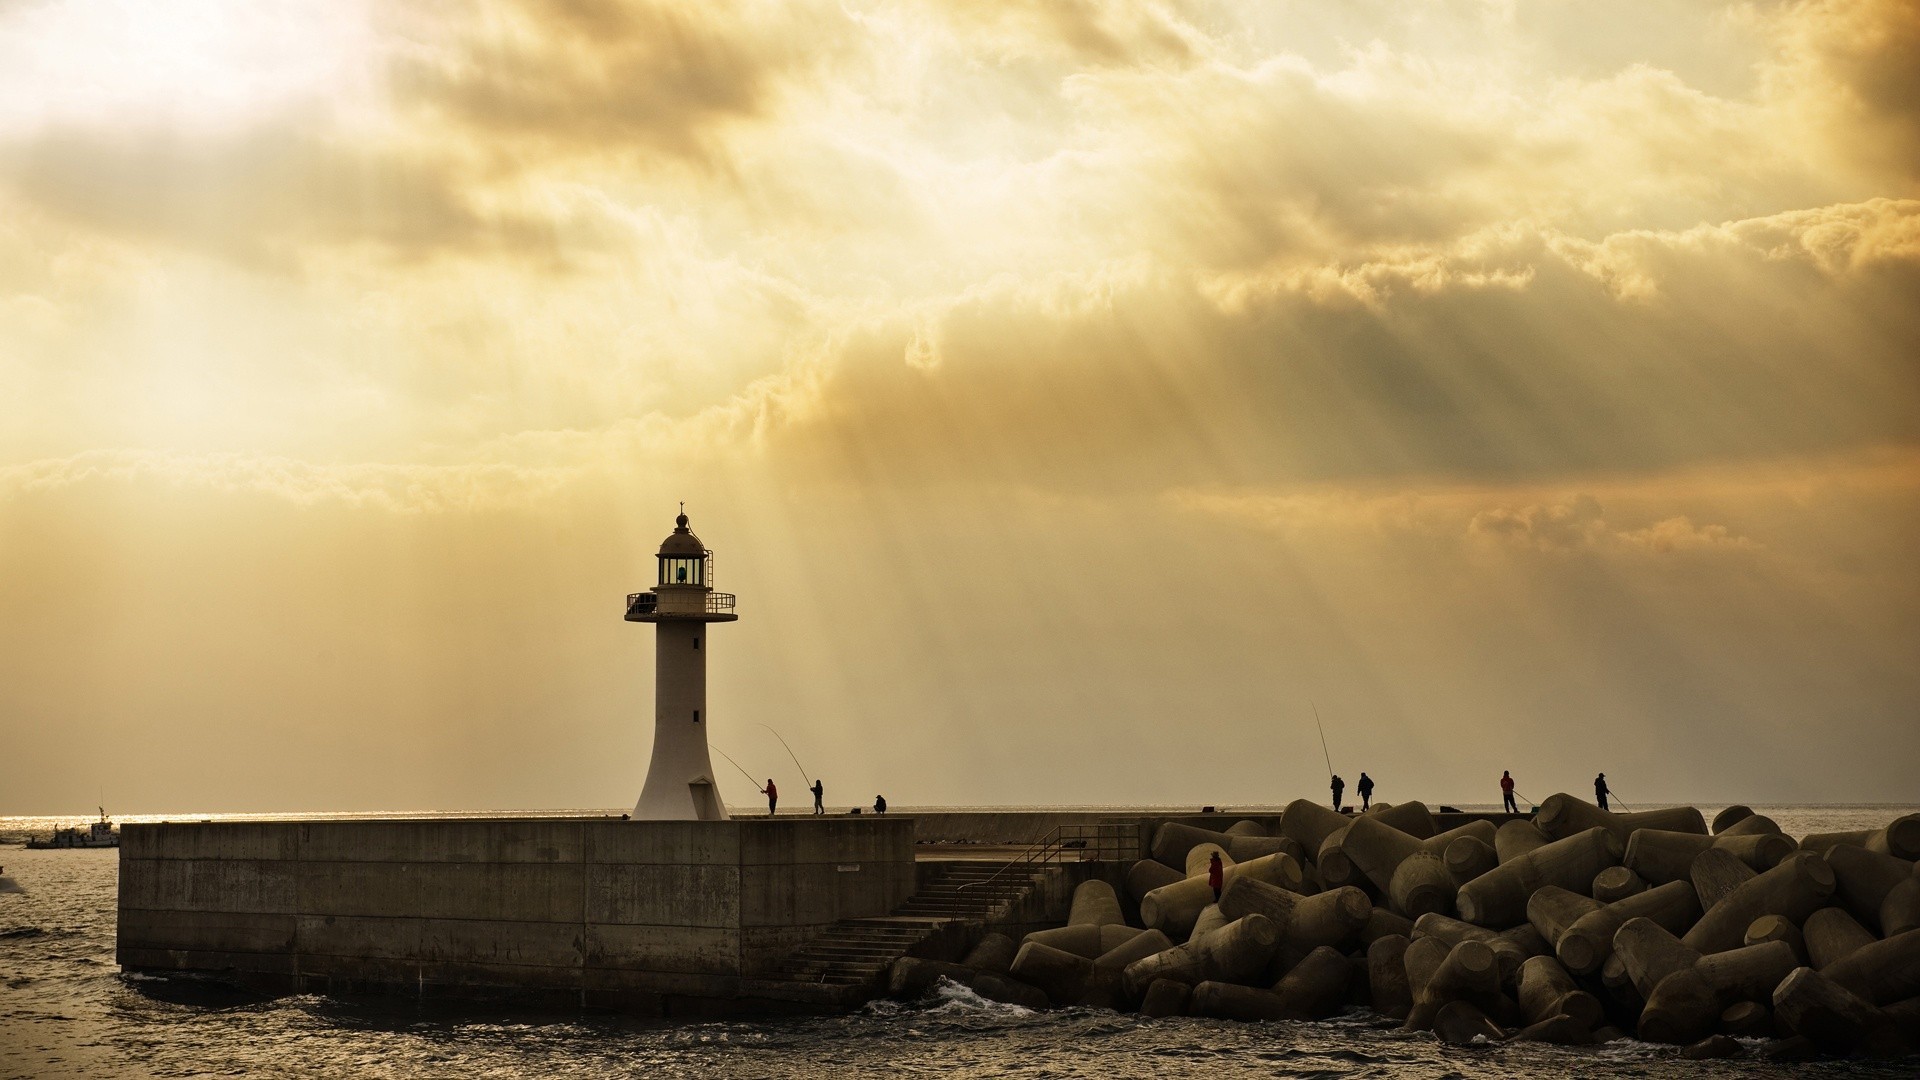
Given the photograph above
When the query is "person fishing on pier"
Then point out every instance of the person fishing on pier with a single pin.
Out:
(1600, 790)
(1506, 792)
(819, 797)
(1365, 788)
(1339, 787)
(1216, 875)
(773, 796)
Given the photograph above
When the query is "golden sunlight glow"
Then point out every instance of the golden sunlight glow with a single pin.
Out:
(1056, 381)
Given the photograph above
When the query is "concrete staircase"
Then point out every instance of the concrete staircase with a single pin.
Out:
(857, 953)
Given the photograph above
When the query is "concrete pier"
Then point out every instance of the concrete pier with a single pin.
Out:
(661, 917)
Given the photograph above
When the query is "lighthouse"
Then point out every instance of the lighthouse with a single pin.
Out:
(681, 605)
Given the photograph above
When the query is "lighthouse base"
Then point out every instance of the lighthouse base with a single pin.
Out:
(695, 800)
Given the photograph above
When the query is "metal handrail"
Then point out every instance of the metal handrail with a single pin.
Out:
(647, 603)
(1046, 846)
(1053, 845)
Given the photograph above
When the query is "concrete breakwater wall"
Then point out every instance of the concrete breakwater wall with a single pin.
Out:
(635, 915)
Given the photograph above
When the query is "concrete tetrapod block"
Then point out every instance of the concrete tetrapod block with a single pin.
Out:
(1499, 899)
(1730, 816)
(1617, 883)
(1173, 908)
(1243, 827)
(1423, 957)
(1173, 840)
(994, 953)
(1830, 935)
(1248, 848)
(1900, 838)
(1461, 1023)
(1527, 939)
(1387, 985)
(1302, 918)
(1467, 857)
(1096, 904)
(1469, 972)
(1862, 879)
(1009, 991)
(1335, 869)
(1061, 974)
(1687, 1004)
(1777, 928)
(1211, 919)
(1078, 940)
(1661, 855)
(1562, 816)
(1380, 850)
(1200, 858)
(1148, 875)
(1746, 1020)
(1796, 888)
(1649, 953)
(1231, 1001)
(1384, 923)
(1884, 972)
(1517, 837)
(1589, 941)
(1559, 1029)
(1900, 911)
(1317, 986)
(1552, 910)
(1546, 990)
(1715, 874)
(1412, 818)
(1237, 952)
(1376, 847)
(1142, 945)
(1808, 1003)
(1166, 998)
(1450, 932)
(1758, 823)
(1421, 884)
(1310, 823)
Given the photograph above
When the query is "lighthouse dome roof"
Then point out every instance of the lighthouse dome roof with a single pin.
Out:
(682, 541)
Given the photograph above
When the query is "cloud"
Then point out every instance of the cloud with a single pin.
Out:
(602, 79)
(263, 195)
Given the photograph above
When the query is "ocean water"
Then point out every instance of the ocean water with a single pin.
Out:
(67, 1010)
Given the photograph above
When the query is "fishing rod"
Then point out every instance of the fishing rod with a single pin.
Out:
(791, 754)
(1323, 736)
(737, 765)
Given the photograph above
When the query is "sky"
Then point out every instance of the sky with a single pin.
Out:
(1079, 396)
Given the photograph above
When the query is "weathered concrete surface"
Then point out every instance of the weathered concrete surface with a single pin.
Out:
(633, 914)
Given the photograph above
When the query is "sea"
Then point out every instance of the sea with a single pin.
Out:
(66, 1010)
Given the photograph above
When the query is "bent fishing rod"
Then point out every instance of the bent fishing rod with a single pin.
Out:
(791, 754)
(1323, 736)
(743, 772)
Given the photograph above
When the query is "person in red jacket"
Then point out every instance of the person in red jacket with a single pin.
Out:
(1216, 875)
(773, 796)
(1506, 792)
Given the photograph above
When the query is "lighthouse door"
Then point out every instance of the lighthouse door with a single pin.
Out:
(706, 801)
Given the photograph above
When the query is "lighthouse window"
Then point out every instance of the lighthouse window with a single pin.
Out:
(696, 716)
(682, 571)
(696, 644)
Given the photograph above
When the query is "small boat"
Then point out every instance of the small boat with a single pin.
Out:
(97, 835)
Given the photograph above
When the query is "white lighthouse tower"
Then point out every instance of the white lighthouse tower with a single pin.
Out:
(680, 783)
